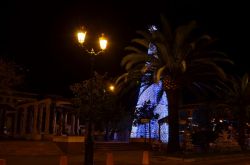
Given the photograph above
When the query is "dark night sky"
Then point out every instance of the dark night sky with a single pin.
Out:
(40, 34)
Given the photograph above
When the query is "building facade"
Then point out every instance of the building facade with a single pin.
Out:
(25, 115)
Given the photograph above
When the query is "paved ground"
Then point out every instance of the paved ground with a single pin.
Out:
(129, 158)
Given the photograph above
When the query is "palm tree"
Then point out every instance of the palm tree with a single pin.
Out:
(236, 103)
(182, 59)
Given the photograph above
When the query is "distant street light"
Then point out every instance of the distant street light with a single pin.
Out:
(112, 88)
(89, 140)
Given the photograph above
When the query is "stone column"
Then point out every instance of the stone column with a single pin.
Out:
(65, 122)
(15, 123)
(66, 118)
(2, 120)
(60, 130)
(40, 118)
(54, 122)
(78, 131)
(36, 130)
(73, 124)
(24, 118)
(47, 118)
(35, 109)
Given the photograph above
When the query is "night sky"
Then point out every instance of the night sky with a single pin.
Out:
(39, 34)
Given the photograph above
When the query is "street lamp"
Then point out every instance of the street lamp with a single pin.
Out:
(89, 140)
(81, 35)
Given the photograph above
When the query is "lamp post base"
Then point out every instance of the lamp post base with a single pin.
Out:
(89, 146)
(89, 151)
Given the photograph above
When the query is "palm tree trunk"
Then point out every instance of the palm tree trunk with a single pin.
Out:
(173, 121)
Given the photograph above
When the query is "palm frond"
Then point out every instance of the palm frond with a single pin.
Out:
(131, 59)
(142, 42)
(165, 55)
(244, 82)
(166, 28)
(159, 73)
(183, 32)
(122, 78)
(133, 49)
(144, 34)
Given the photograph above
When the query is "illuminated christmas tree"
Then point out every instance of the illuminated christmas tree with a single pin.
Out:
(157, 98)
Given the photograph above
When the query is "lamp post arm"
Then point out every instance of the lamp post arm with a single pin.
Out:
(93, 52)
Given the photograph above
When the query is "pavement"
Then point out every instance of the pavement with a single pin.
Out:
(128, 158)
(47, 153)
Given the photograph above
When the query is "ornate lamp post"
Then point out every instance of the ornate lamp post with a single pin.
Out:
(89, 140)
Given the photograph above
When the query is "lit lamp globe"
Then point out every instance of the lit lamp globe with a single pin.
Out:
(112, 88)
(81, 36)
(103, 42)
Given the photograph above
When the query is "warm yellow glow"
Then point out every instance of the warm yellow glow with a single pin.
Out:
(103, 42)
(112, 88)
(81, 36)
